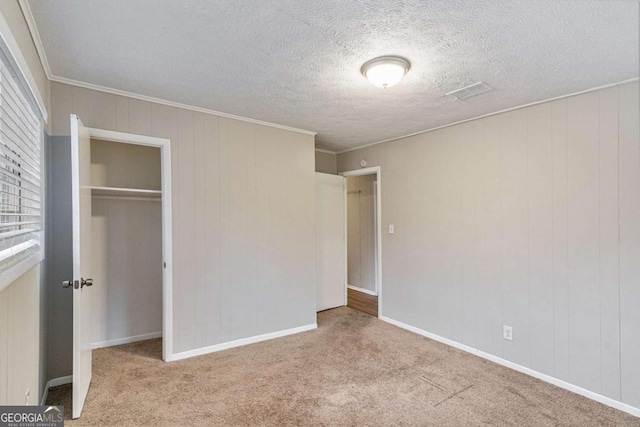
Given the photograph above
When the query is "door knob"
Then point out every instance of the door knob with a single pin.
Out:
(75, 284)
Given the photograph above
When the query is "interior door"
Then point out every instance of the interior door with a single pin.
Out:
(330, 242)
(81, 201)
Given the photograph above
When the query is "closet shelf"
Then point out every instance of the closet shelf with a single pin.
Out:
(125, 193)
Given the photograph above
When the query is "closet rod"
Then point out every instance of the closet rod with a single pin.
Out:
(148, 199)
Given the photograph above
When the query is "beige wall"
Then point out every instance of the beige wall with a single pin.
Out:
(361, 249)
(326, 163)
(19, 340)
(243, 215)
(529, 219)
(22, 329)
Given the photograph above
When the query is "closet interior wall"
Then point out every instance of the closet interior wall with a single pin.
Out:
(127, 243)
(361, 247)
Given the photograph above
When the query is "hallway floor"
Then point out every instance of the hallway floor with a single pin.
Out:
(362, 302)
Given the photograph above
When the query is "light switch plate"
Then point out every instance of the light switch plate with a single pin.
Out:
(507, 332)
(392, 229)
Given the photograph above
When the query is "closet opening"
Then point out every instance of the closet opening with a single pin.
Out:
(131, 242)
(363, 240)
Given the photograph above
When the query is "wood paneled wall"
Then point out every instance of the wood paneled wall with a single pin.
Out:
(529, 218)
(127, 268)
(19, 340)
(243, 215)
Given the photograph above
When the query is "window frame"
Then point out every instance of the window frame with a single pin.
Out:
(28, 261)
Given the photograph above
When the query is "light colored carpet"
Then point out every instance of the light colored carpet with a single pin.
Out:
(354, 370)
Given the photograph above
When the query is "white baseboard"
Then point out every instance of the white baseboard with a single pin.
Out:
(126, 340)
(240, 342)
(500, 361)
(54, 382)
(363, 290)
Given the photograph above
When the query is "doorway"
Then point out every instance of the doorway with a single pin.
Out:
(137, 198)
(126, 233)
(106, 181)
(363, 243)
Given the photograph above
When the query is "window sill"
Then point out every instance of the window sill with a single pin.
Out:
(19, 270)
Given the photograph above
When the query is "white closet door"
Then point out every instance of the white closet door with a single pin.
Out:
(81, 212)
(330, 241)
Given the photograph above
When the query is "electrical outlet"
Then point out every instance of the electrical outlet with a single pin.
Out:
(26, 397)
(507, 332)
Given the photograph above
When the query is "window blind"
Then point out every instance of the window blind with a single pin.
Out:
(20, 173)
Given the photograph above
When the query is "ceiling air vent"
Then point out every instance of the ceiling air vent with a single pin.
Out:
(469, 91)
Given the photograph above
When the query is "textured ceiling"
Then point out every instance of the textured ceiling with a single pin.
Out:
(297, 62)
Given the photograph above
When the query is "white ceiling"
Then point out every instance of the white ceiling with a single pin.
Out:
(297, 62)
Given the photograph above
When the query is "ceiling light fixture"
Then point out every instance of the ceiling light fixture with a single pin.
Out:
(385, 71)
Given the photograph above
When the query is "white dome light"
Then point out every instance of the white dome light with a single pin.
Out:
(385, 71)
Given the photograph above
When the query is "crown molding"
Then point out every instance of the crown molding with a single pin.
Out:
(118, 92)
(35, 35)
(26, 10)
(33, 29)
(635, 79)
(321, 150)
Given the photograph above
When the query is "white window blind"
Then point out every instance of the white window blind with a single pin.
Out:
(20, 173)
